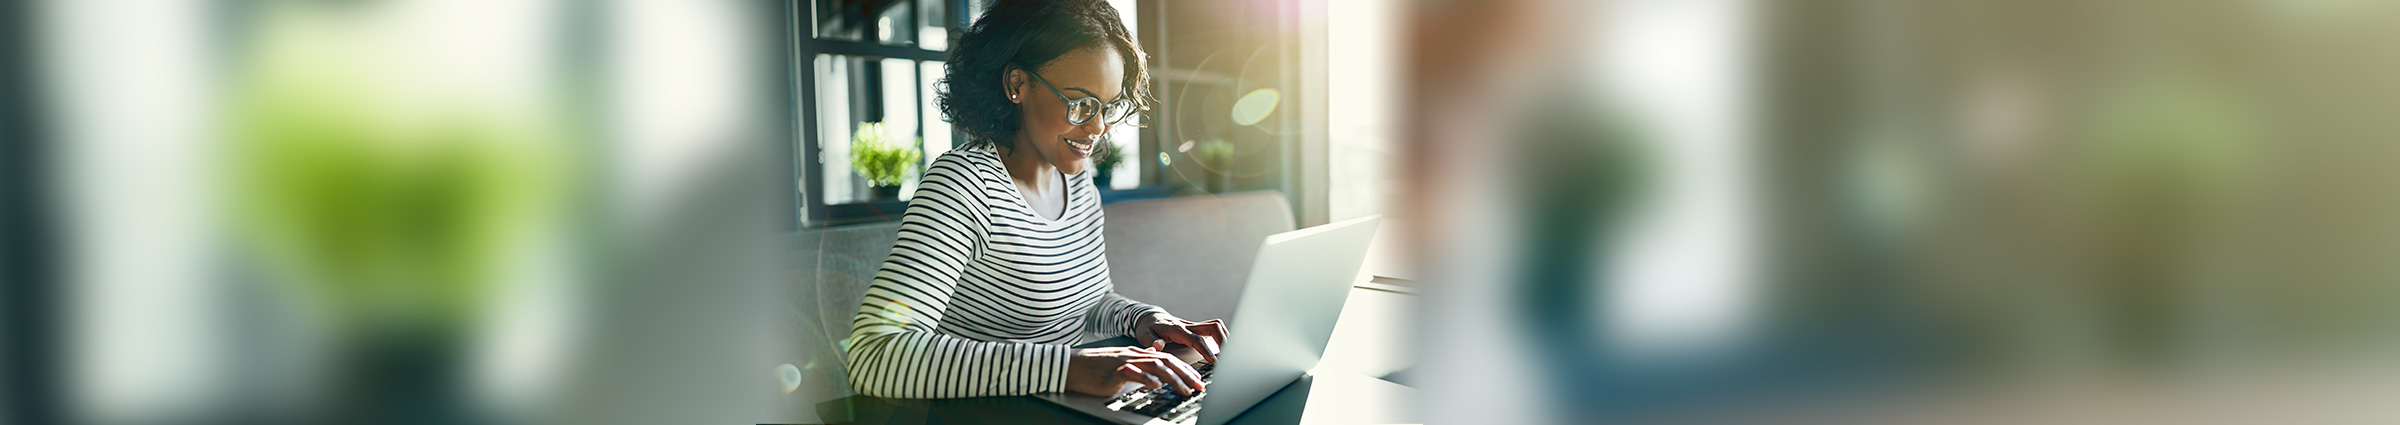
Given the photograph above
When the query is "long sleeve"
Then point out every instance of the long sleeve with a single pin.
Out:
(894, 350)
(1114, 316)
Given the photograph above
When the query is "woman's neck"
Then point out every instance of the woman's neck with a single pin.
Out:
(1027, 166)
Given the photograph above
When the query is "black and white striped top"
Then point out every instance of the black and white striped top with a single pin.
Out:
(981, 296)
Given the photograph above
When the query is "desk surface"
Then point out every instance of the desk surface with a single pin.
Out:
(1322, 397)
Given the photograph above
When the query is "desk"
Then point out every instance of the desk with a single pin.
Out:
(1368, 339)
(1317, 398)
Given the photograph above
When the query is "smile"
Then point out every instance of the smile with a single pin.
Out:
(1081, 147)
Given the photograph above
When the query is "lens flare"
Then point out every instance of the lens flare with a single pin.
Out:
(1255, 106)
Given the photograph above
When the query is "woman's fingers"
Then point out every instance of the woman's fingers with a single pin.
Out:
(1216, 328)
(1166, 365)
(1160, 345)
(1159, 373)
(1142, 367)
(1133, 373)
(1212, 334)
(1185, 334)
(1190, 376)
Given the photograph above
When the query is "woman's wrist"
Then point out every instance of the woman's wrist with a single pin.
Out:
(1064, 359)
(1143, 323)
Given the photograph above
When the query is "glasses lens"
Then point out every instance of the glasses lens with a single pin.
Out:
(1114, 112)
(1080, 111)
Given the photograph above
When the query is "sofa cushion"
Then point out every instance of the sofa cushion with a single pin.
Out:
(1191, 255)
(835, 266)
(831, 271)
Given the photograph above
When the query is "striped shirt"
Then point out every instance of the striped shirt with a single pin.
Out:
(982, 296)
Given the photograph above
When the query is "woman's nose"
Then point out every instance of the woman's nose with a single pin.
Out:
(1095, 127)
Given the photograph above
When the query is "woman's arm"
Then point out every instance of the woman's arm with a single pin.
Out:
(1116, 316)
(894, 351)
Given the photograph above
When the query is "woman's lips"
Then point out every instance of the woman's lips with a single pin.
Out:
(1082, 148)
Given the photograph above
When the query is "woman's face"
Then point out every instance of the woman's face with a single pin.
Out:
(1090, 72)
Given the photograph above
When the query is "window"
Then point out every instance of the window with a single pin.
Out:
(867, 62)
(1360, 109)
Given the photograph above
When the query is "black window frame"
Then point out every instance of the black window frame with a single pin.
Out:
(808, 155)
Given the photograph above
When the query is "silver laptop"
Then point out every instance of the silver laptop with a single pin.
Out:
(1286, 314)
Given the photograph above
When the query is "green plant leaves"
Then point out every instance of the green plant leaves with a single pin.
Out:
(875, 156)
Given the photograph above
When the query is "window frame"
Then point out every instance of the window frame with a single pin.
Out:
(808, 154)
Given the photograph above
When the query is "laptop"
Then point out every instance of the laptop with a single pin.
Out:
(1285, 316)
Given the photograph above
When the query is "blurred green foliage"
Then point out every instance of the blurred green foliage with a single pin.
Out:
(883, 161)
(387, 215)
(1214, 152)
(1108, 158)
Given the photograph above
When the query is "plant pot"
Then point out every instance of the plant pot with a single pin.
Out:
(1102, 181)
(887, 193)
(382, 378)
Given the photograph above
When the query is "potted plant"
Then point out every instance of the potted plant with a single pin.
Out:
(396, 236)
(1107, 162)
(881, 160)
(1216, 156)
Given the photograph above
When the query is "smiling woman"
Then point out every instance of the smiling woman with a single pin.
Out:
(1007, 39)
(999, 267)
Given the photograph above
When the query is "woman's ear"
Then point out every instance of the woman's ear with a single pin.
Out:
(1013, 82)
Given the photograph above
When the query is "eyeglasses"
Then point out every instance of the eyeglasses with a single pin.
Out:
(1082, 109)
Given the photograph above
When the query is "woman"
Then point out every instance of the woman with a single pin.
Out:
(999, 268)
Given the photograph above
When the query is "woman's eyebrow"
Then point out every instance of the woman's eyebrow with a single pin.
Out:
(1088, 92)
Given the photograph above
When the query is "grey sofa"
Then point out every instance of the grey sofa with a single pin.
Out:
(1189, 255)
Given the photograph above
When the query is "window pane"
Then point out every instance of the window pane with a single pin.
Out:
(896, 25)
(1125, 14)
(932, 34)
(1127, 141)
(937, 132)
(975, 8)
(1360, 124)
(899, 117)
(833, 129)
(853, 91)
(834, 23)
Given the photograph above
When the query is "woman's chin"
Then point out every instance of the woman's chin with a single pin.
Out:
(1075, 167)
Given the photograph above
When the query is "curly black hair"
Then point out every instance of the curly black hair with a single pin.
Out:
(1026, 34)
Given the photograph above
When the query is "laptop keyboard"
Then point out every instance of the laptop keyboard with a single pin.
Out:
(1163, 402)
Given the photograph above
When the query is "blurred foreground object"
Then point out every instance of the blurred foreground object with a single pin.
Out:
(393, 196)
(413, 211)
(2124, 211)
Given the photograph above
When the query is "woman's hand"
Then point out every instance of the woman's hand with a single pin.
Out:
(1105, 371)
(1203, 337)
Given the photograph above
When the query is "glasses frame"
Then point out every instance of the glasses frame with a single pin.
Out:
(1099, 108)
